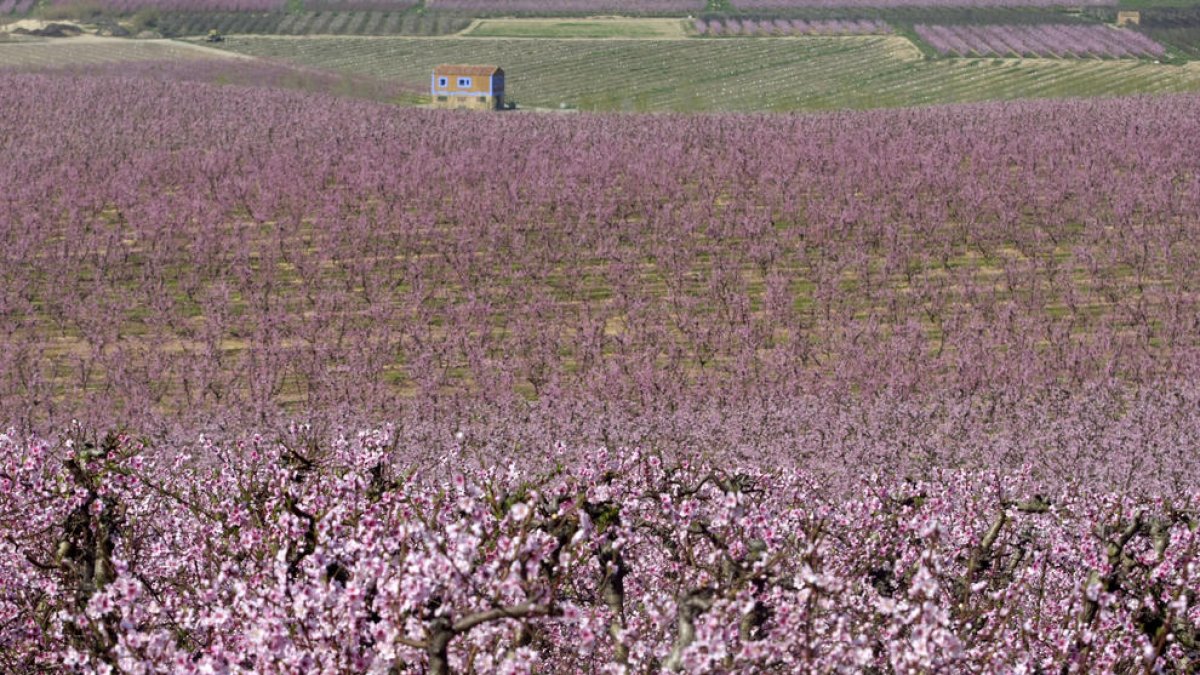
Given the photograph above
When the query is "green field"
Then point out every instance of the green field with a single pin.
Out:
(584, 28)
(818, 73)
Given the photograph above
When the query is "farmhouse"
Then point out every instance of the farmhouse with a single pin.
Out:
(1125, 18)
(477, 87)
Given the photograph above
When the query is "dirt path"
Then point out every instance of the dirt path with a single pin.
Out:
(201, 47)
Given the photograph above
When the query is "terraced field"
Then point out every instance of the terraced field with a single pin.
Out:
(812, 73)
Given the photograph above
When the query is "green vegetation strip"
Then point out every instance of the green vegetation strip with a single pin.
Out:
(818, 73)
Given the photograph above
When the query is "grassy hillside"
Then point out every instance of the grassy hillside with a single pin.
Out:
(816, 73)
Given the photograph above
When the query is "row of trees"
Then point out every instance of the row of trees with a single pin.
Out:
(893, 4)
(339, 556)
(569, 6)
(784, 27)
(178, 250)
(1034, 40)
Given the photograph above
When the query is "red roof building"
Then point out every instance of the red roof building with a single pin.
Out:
(460, 86)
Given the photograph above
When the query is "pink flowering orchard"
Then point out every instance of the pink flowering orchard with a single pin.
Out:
(267, 556)
(785, 27)
(291, 383)
(677, 7)
(1060, 41)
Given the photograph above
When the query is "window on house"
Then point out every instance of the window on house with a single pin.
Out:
(464, 82)
(443, 81)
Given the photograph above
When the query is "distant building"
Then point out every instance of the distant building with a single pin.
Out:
(476, 87)
(1125, 18)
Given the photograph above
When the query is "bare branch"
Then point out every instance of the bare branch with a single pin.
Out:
(514, 612)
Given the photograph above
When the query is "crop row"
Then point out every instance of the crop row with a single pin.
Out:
(569, 6)
(727, 74)
(934, 14)
(782, 27)
(131, 6)
(1051, 40)
(311, 23)
(358, 5)
(1178, 27)
(888, 4)
(1185, 39)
